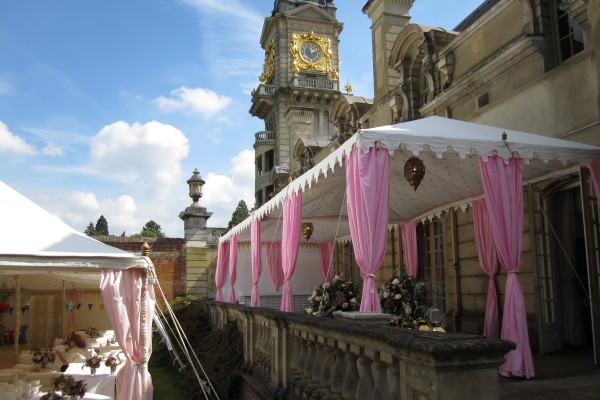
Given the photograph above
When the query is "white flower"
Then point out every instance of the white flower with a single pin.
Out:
(309, 310)
(397, 296)
(353, 301)
(395, 282)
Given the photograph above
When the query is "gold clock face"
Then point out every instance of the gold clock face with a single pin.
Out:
(310, 52)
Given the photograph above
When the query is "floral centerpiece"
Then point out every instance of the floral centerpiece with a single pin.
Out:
(43, 356)
(403, 297)
(337, 294)
(112, 362)
(92, 332)
(93, 363)
(68, 386)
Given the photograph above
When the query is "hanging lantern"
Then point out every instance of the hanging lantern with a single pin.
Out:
(307, 230)
(414, 171)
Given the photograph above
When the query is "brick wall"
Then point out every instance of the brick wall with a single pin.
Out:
(167, 254)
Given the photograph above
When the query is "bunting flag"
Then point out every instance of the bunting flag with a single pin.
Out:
(10, 310)
(101, 306)
(90, 306)
(23, 309)
(78, 305)
(70, 305)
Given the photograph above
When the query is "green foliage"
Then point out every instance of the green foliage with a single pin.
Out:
(151, 229)
(241, 213)
(335, 295)
(181, 302)
(219, 351)
(101, 226)
(90, 230)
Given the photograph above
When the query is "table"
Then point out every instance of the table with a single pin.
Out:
(44, 376)
(102, 383)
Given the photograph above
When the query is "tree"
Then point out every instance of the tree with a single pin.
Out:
(241, 213)
(151, 229)
(90, 230)
(102, 226)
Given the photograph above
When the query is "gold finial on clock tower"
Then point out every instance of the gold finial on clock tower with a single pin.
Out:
(348, 87)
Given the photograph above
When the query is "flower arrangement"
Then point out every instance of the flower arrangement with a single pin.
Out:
(337, 294)
(43, 356)
(93, 362)
(402, 296)
(112, 362)
(92, 332)
(68, 386)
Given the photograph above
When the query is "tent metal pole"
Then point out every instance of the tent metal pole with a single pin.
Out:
(17, 315)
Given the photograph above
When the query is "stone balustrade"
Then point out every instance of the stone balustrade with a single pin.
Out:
(362, 359)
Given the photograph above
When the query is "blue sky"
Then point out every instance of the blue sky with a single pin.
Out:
(106, 107)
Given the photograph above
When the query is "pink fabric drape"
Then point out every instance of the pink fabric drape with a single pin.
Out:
(274, 263)
(503, 188)
(221, 272)
(123, 295)
(595, 174)
(290, 241)
(410, 252)
(325, 250)
(368, 187)
(232, 268)
(488, 259)
(256, 261)
(73, 316)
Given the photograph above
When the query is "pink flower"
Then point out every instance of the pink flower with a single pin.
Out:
(345, 306)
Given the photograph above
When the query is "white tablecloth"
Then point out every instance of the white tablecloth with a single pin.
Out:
(102, 383)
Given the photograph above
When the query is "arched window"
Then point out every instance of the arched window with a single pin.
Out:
(568, 34)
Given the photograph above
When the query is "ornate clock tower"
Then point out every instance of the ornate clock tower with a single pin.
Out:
(298, 85)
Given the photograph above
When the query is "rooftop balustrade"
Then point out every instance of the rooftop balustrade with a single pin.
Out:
(363, 358)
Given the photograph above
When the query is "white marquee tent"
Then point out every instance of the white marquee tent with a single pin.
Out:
(451, 152)
(40, 252)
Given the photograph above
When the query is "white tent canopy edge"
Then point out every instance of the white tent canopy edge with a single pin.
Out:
(449, 148)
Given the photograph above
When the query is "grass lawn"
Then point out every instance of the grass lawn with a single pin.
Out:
(164, 376)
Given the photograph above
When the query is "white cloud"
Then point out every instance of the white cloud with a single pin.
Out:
(121, 213)
(13, 144)
(53, 150)
(231, 8)
(203, 101)
(146, 155)
(222, 193)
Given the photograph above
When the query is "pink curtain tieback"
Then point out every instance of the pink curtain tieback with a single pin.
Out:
(513, 272)
(369, 276)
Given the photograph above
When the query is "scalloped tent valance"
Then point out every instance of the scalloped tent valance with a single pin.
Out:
(448, 148)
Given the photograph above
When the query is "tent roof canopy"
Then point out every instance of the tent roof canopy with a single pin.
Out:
(33, 241)
(448, 148)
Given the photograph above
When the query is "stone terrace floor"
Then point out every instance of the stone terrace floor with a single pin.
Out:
(569, 375)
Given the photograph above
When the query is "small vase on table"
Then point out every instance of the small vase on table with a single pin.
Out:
(93, 371)
(113, 368)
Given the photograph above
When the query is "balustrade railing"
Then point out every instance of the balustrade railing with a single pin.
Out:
(315, 83)
(354, 359)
